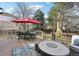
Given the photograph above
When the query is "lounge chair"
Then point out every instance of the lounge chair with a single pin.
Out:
(74, 46)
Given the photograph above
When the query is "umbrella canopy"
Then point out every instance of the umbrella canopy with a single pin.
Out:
(26, 20)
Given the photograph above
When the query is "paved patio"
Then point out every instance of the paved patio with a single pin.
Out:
(6, 45)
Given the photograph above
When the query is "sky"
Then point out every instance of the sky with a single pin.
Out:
(44, 6)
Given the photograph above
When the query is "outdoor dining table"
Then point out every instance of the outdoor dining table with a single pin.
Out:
(52, 48)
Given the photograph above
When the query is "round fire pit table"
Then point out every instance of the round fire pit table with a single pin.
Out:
(52, 48)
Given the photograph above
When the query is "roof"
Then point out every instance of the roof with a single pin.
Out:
(7, 14)
(73, 12)
(7, 17)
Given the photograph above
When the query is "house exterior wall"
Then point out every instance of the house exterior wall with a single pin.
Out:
(5, 22)
(71, 24)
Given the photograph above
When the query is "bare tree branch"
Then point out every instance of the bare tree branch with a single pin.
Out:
(22, 11)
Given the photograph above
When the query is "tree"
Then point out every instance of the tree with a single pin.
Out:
(22, 10)
(53, 14)
(63, 6)
(39, 15)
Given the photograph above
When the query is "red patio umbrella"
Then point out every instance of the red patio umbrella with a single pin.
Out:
(26, 20)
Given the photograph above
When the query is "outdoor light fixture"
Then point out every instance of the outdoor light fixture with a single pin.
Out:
(1, 10)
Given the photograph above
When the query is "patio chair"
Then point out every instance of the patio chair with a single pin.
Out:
(19, 35)
(74, 46)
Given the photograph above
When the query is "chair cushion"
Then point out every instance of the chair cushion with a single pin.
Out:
(75, 48)
(76, 42)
